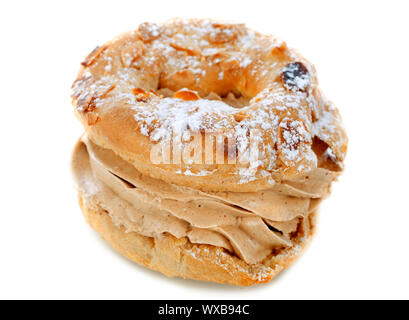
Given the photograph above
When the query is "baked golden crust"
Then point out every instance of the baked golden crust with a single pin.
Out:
(117, 98)
(179, 258)
(150, 86)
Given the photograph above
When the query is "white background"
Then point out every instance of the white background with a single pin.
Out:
(360, 49)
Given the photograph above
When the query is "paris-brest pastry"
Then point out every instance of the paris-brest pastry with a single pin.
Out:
(207, 149)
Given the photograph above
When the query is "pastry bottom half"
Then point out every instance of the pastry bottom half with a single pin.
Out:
(180, 258)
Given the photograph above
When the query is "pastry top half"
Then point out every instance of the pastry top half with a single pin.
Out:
(165, 86)
(203, 77)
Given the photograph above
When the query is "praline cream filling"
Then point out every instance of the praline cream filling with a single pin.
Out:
(251, 225)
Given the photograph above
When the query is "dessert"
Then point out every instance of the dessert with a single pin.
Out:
(207, 149)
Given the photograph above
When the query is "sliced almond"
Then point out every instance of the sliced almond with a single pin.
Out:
(279, 50)
(141, 95)
(179, 47)
(186, 95)
(138, 91)
(222, 34)
(104, 95)
(90, 105)
(292, 136)
(131, 53)
(240, 116)
(93, 56)
(149, 31)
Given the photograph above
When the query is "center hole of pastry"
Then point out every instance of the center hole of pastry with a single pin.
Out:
(233, 99)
